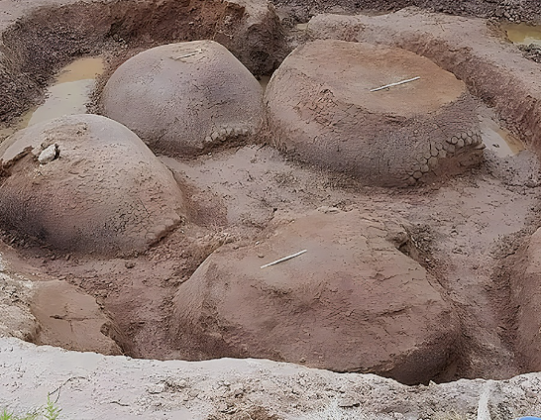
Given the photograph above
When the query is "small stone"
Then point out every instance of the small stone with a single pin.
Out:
(349, 401)
(434, 152)
(327, 209)
(442, 154)
(451, 149)
(454, 140)
(424, 168)
(156, 388)
(260, 256)
(417, 175)
(129, 264)
(460, 143)
(48, 155)
(464, 136)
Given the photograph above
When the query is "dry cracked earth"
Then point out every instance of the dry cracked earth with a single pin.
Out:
(134, 239)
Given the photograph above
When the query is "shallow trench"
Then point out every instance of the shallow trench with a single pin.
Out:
(464, 226)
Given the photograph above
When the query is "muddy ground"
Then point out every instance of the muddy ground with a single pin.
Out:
(512, 10)
(464, 227)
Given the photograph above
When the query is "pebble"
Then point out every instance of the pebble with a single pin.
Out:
(48, 155)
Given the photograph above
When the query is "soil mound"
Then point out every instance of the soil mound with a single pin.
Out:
(86, 183)
(352, 303)
(323, 111)
(184, 98)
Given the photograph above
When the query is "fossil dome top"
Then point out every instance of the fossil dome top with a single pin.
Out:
(357, 68)
(184, 98)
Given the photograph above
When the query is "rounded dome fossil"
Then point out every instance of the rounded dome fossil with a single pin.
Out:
(323, 109)
(184, 98)
(86, 183)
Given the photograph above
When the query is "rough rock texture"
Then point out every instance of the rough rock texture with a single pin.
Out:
(91, 386)
(105, 192)
(16, 320)
(353, 302)
(321, 110)
(184, 98)
(525, 300)
(39, 36)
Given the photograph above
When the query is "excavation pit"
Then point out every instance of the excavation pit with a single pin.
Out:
(452, 224)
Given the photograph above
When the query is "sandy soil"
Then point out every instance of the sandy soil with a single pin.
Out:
(91, 386)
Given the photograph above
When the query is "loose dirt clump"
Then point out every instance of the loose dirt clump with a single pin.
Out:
(70, 318)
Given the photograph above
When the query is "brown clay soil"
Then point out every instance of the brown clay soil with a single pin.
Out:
(463, 226)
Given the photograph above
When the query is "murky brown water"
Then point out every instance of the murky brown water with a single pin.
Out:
(264, 81)
(500, 140)
(67, 95)
(523, 34)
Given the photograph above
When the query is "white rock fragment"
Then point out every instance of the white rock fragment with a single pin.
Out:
(49, 154)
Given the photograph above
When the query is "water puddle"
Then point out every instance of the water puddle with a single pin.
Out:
(500, 140)
(67, 95)
(523, 34)
(264, 81)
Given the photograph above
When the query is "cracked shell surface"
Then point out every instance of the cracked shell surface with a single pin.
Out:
(105, 191)
(322, 111)
(183, 98)
(352, 302)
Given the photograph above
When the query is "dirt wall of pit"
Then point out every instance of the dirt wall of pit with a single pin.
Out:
(92, 386)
